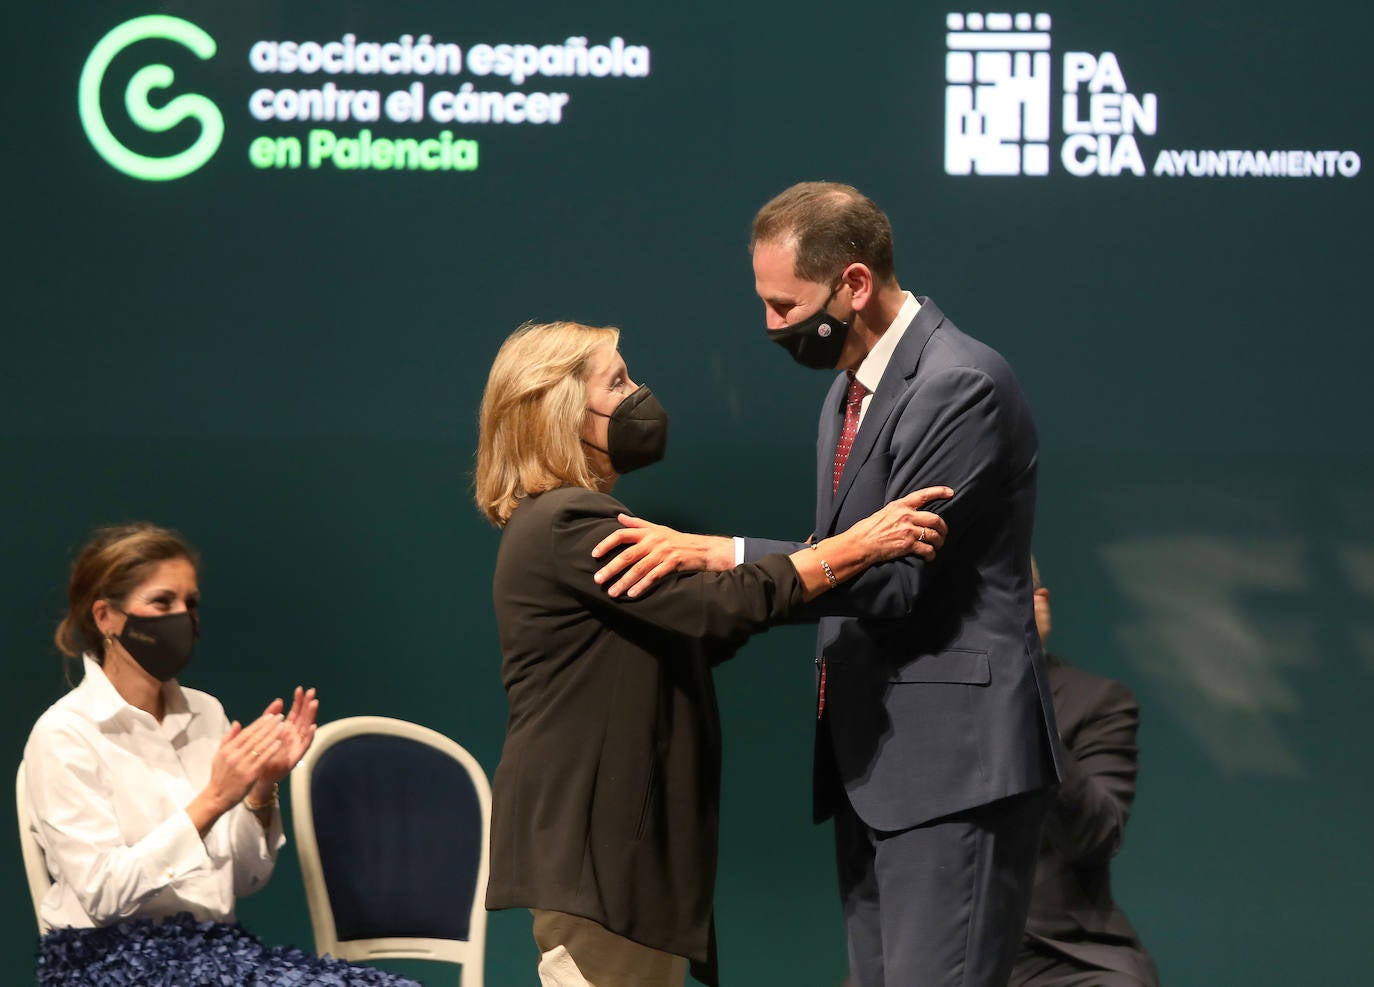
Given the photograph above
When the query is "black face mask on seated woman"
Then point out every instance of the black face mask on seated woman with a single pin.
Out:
(161, 645)
(637, 433)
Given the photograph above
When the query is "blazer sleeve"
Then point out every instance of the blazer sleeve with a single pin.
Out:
(949, 433)
(725, 607)
(1088, 814)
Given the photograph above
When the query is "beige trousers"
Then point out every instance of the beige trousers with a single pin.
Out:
(577, 952)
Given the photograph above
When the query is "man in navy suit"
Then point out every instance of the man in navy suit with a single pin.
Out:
(935, 737)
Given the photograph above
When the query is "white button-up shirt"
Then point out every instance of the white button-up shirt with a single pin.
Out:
(107, 788)
(874, 365)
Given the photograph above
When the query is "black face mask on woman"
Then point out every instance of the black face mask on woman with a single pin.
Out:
(637, 433)
(161, 645)
(817, 340)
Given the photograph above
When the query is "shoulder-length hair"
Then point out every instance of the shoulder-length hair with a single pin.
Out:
(529, 430)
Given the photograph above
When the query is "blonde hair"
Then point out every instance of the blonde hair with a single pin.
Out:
(110, 567)
(529, 430)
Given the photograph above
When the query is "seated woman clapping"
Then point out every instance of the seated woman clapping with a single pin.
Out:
(153, 810)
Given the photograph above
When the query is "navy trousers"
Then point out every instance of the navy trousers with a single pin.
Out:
(942, 904)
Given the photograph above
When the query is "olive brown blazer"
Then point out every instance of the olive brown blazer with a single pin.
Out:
(606, 800)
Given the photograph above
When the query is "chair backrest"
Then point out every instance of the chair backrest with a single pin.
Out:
(35, 865)
(392, 826)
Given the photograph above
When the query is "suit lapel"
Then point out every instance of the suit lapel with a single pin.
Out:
(900, 369)
(832, 419)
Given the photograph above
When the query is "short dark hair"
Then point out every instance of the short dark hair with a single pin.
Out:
(832, 226)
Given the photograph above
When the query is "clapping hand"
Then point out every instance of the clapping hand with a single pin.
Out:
(298, 730)
(252, 759)
(238, 762)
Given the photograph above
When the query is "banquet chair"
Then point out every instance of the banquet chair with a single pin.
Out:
(35, 865)
(391, 822)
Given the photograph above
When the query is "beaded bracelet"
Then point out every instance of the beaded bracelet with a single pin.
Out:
(825, 567)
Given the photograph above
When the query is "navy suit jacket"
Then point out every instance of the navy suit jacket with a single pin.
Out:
(936, 695)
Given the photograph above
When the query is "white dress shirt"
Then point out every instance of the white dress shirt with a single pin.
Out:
(871, 370)
(107, 788)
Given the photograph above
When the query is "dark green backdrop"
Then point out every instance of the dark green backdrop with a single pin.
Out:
(286, 366)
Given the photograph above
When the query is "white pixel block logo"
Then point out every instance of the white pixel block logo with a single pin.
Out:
(997, 94)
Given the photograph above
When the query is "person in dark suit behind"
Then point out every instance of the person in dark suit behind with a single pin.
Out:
(935, 742)
(605, 801)
(1076, 936)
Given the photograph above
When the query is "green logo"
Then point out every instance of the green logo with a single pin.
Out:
(149, 117)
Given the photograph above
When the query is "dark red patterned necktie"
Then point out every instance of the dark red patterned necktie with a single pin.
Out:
(853, 402)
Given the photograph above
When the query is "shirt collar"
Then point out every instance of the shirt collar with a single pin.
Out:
(99, 696)
(104, 703)
(870, 372)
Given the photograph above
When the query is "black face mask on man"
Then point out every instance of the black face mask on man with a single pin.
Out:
(817, 340)
(637, 433)
(161, 645)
